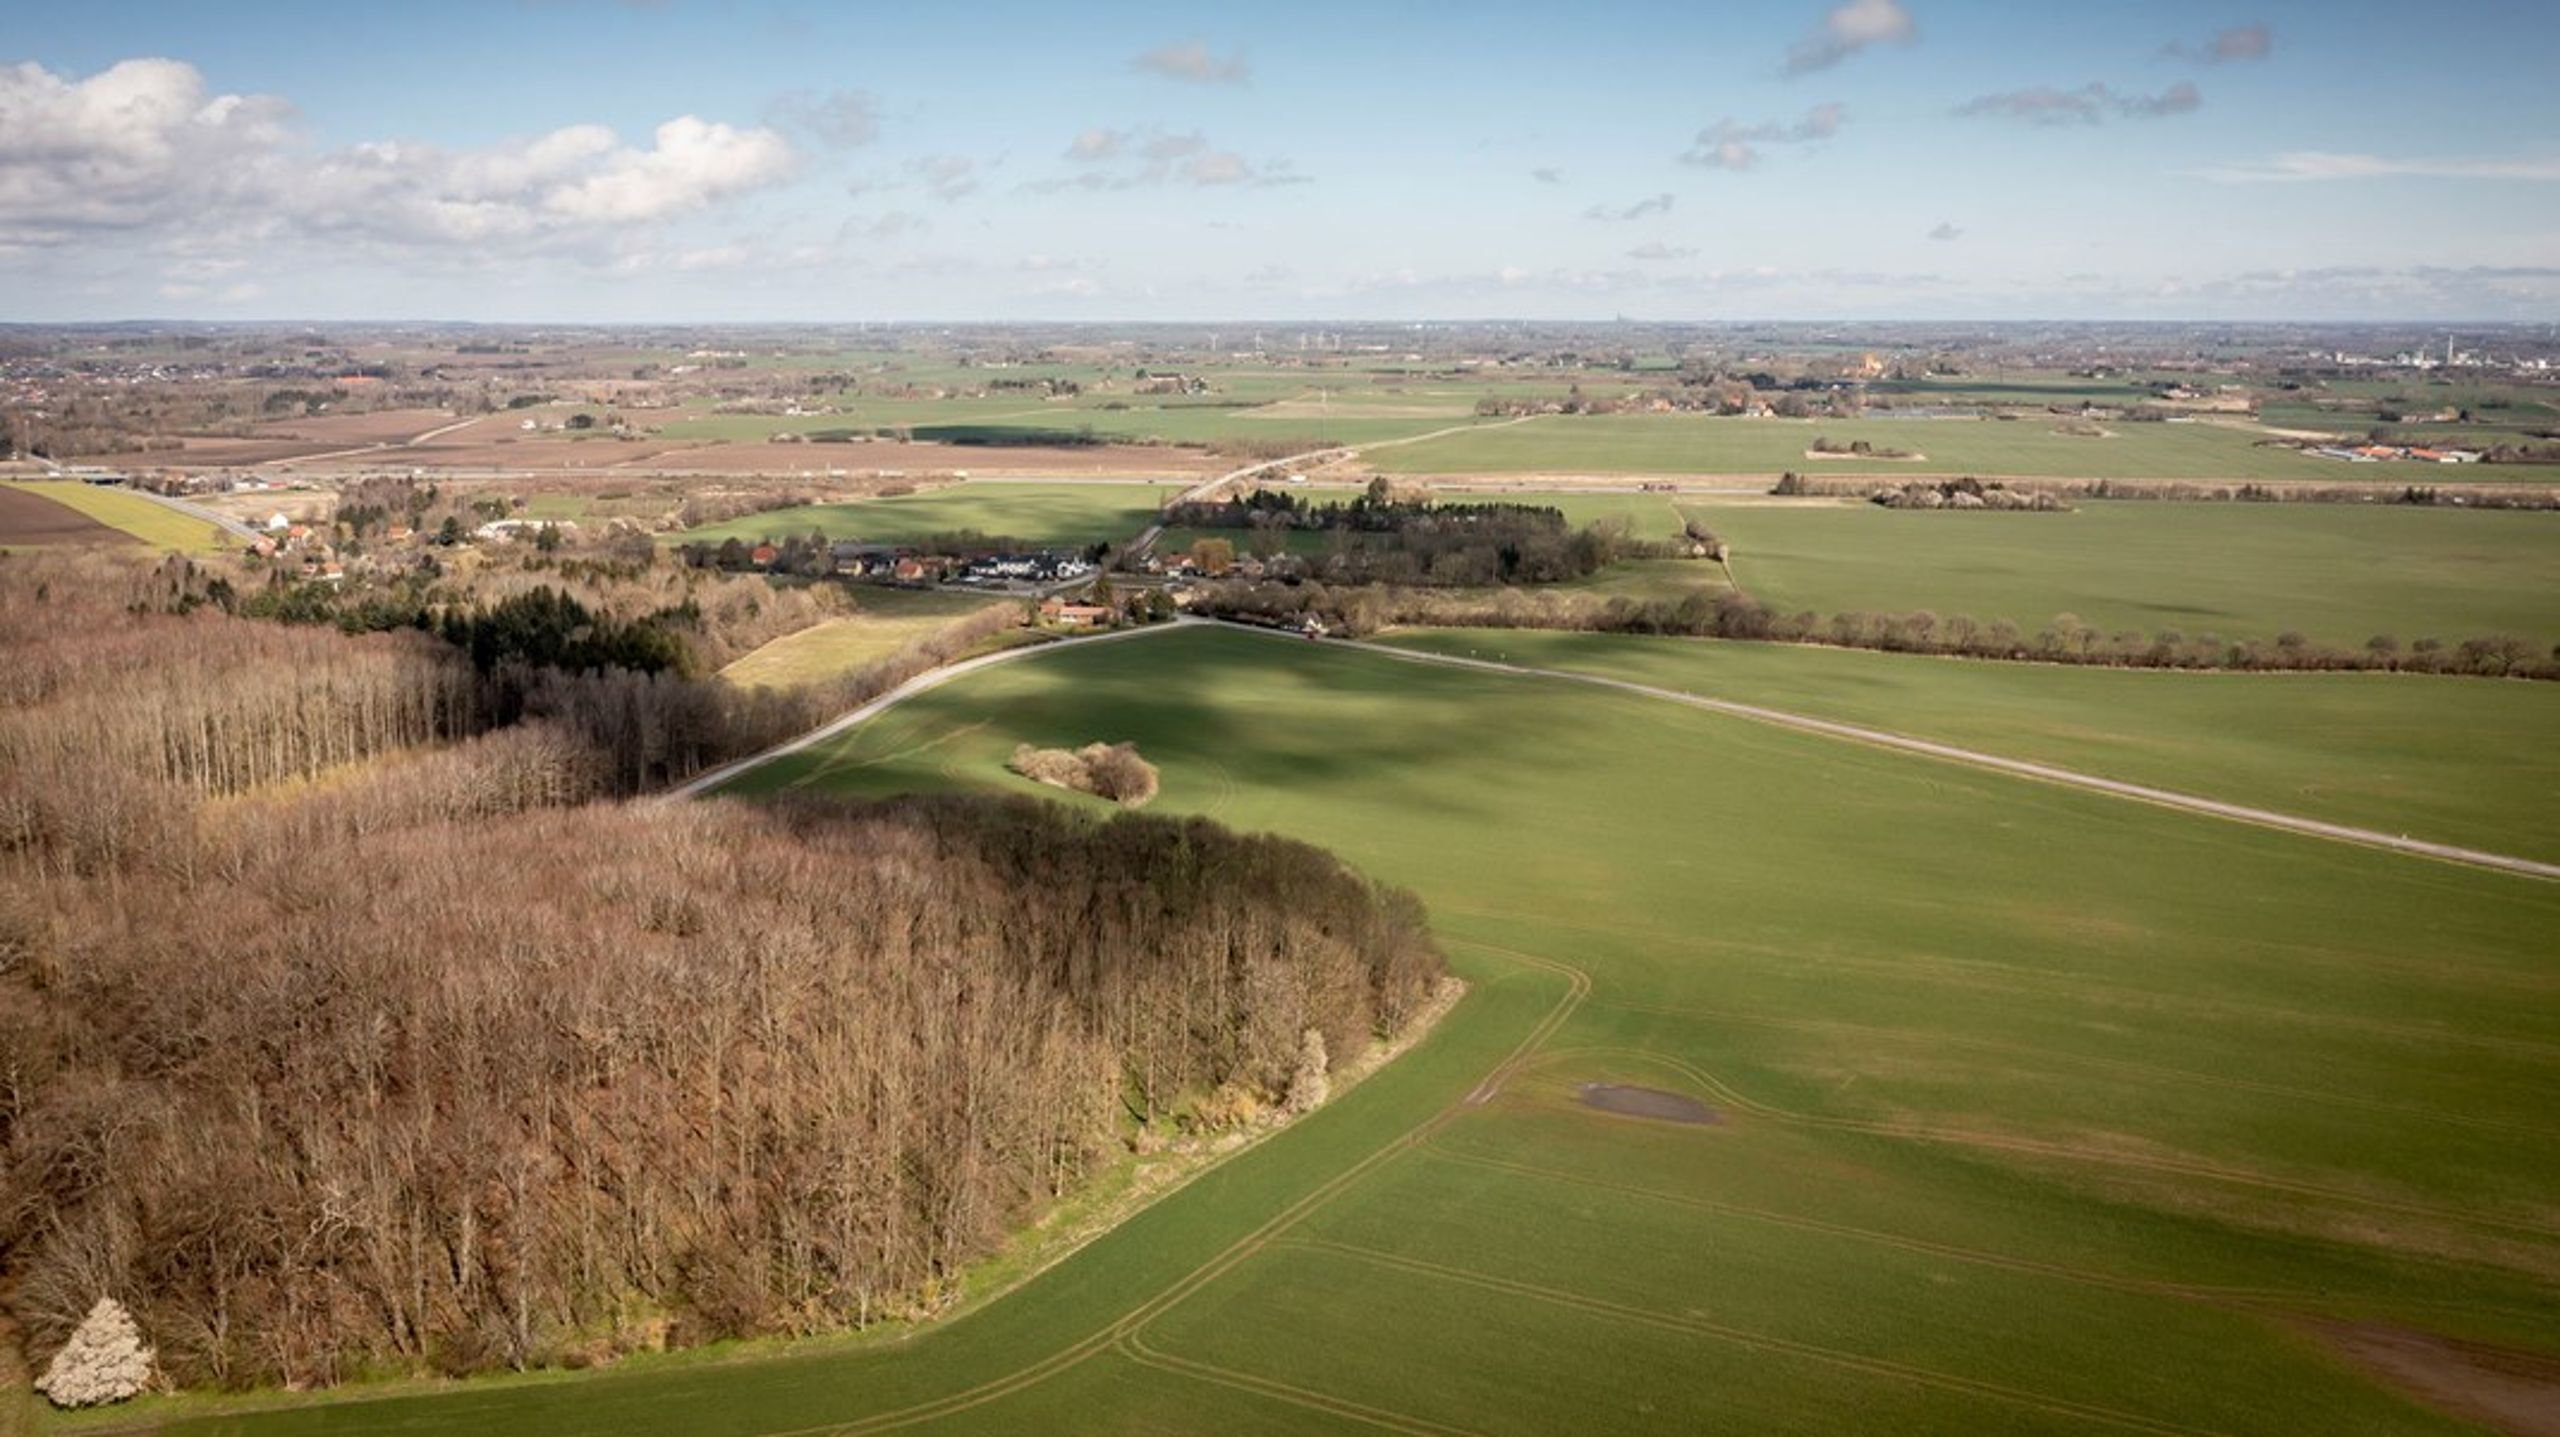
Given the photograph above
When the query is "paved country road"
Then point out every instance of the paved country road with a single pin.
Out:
(1855, 733)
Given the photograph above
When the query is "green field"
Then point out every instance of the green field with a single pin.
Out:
(2462, 761)
(154, 524)
(1699, 444)
(2337, 573)
(1065, 514)
(890, 620)
(2037, 1110)
(1244, 407)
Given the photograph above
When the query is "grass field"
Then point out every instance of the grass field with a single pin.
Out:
(2338, 573)
(154, 524)
(2460, 761)
(890, 620)
(1697, 444)
(1045, 514)
(2036, 1110)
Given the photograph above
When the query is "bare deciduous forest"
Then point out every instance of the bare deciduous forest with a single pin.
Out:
(341, 1032)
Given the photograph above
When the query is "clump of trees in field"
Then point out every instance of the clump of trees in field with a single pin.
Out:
(1112, 771)
(1962, 494)
(439, 1066)
(1379, 538)
(1705, 613)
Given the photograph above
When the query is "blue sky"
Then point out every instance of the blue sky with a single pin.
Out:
(694, 160)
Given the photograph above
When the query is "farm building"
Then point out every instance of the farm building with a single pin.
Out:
(1059, 611)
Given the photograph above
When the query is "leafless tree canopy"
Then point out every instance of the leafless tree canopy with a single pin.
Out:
(339, 1030)
(1105, 770)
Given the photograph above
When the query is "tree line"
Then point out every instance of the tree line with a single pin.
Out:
(1355, 611)
(440, 1065)
(1378, 538)
(2470, 496)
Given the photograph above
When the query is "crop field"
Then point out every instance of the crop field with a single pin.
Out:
(1978, 1103)
(890, 620)
(126, 514)
(29, 520)
(1243, 408)
(2462, 761)
(1047, 514)
(1696, 444)
(2337, 573)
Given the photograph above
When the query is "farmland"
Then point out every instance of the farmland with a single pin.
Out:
(1041, 514)
(119, 512)
(2458, 762)
(1675, 444)
(1999, 1073)
(890, 619)
(30, 520)
(2337, 573)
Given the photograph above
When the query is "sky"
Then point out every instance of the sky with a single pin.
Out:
(741, 160)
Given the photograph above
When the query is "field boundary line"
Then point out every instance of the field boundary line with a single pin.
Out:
(1758, 1341)
(2015, 767)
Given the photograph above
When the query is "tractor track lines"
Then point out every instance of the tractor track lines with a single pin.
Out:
(1136, 1350)
(1130, 1324)
(1759, 1342)
(2276, 1299)
(2086, 1060)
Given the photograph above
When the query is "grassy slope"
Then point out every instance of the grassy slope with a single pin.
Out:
(1697, 444)
(2455, 760)
(2003, 1069)
(2338, 573)
(1068, 514)
(154, 524)
(890, 620)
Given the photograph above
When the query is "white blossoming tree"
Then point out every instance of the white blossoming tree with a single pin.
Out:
(104, 1361)
(1307, 1083)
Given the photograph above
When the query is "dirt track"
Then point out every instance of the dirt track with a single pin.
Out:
(1881, 738)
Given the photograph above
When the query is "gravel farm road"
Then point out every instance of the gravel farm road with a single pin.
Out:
(1854, 733)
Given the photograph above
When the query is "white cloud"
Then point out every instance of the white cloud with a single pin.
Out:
(1547, 175)
(1946, 230)
(2088, 105)
(1097, 144)
(136, 144)
(2240, 42)
(1644, 208)
(839, 119)
(2301, 166)
(1193, 61)
(1656, 252)
(1122, 160)
(1850, 28)
(946, 177)
(693, 163)
(141, 149)
(1729, 144)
